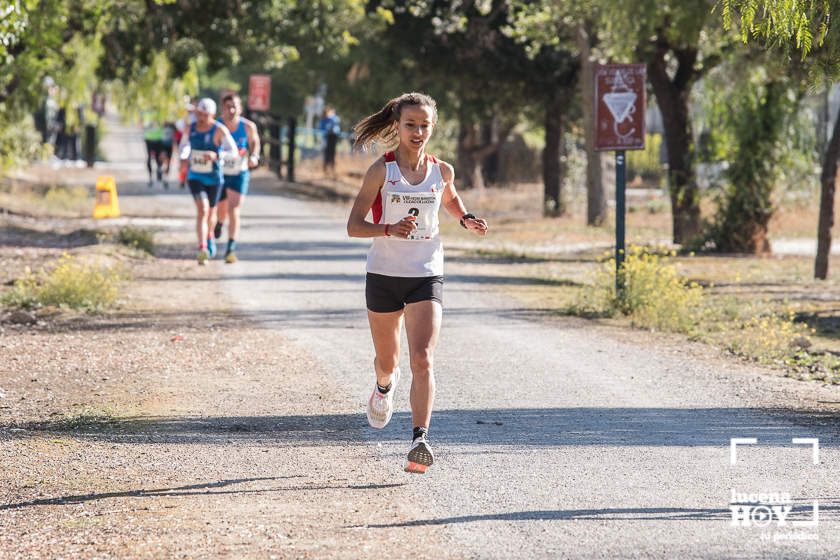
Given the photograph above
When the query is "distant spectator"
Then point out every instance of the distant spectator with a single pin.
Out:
(51, 110)
(330, 126)
(61, 133)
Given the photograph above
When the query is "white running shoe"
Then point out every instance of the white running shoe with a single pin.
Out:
(420, 456)
(380, 407)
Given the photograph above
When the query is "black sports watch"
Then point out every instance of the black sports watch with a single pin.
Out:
(468, 215)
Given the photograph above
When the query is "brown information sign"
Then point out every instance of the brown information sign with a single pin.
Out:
(620, 107)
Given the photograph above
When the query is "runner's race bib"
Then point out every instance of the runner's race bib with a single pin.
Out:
(423, 206)
(201, 161)
(234, 163)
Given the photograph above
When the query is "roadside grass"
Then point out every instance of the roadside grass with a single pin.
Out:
(67, 282)
(765, 310)
(86, 418)
(46, 200)
(137, 238)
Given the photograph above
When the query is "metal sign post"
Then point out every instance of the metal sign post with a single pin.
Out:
(620, 212)
(620, 125)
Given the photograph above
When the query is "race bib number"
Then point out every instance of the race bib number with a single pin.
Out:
(423, 206)
(233, 163)
(201, 161)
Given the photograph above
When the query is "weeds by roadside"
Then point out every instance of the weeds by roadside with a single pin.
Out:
(68, 283)
(86, 418)
(137, 238)
(62, 200)
(654, 295)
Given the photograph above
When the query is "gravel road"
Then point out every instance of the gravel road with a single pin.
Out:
(230, 422)
(555, 438)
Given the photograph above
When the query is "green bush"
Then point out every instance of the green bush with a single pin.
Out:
(654, 295)
(20, 142)
(138, 238)
(69, 283)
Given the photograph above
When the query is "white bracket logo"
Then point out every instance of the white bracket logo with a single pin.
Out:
(735, 442)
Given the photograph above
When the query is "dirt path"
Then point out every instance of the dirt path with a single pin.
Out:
(220, 414)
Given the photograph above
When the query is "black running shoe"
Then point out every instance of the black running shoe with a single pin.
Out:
(420, 456)
(217, 231)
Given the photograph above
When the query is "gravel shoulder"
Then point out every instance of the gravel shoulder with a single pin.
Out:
(175, 425)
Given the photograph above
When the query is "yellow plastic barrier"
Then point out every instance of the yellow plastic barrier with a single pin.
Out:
(107, 205)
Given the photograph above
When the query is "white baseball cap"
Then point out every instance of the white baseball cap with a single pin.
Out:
(206, 105)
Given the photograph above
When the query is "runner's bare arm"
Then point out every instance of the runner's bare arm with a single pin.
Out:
(453, 203)
(184, 149)
(357, 224)
(253, 144)
(223, 136)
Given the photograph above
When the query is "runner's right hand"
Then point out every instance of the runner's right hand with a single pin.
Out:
(404, 227)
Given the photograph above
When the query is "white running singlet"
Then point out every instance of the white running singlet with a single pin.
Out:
(422, 254)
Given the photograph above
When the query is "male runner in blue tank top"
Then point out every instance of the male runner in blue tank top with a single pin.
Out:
(236, 167)
(201, 148)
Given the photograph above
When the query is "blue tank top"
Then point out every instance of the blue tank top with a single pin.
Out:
(237, 164)
(202, 167)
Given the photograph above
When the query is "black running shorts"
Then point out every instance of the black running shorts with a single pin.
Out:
(202, 190)
(386, 294)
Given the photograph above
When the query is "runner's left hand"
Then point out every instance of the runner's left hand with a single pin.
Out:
(476, 225)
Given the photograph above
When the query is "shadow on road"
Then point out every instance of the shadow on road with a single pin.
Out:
(344, 317)
(535, 427)
(827, 510)
(207, 488)
(15, 236)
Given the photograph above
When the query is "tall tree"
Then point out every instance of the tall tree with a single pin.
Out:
(673, 38)
(157, 41)
(802, 29)
(499, 80)
(596, 202)
(569, 27)
(756, 114)
(679, 45)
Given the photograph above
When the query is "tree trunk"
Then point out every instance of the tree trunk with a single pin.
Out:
(554, 169)
(596, 202)
(490, 163)
(469, 166)
(672, 96)
(475, 145)
(828, 180)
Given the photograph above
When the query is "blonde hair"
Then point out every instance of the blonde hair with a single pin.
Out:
(378, 126)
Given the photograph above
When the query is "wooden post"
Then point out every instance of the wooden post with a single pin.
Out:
(290, 160)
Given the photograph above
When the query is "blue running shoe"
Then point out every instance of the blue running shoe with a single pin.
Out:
(211, 247)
